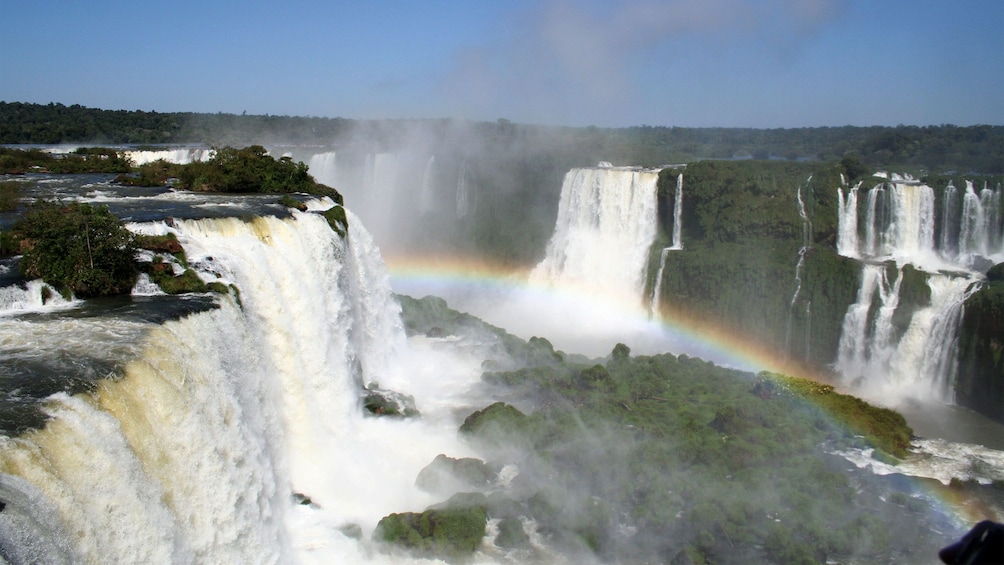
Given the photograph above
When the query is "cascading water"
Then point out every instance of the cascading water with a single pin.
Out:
(181, 156)
(900, 225)
(656, 301)
(847, 222)
(463, 191)
(802, 252)
(678, 215)
(194, 451)
(427, 198)
(605, 226)
(324, 168)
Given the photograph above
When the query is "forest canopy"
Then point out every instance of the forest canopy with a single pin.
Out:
(935, 148)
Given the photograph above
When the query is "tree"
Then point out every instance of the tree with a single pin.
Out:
(77, 248)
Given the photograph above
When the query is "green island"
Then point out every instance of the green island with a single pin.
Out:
(658, 459)
(84, 250)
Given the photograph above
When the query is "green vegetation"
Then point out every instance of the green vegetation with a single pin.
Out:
(250, 169)
(156, 173)
(81, 160)
(980, 381)
(76, 248)
(932, 148)
(699, 463)
(10, 195)
(451, 532)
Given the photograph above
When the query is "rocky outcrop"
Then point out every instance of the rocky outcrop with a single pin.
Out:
(980, 381)
(379, 402)
(446, 475)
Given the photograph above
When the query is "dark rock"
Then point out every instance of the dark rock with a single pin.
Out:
(436, 332)
(447, 475)
(379, 402)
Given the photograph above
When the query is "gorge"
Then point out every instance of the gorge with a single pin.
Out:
(230, 427)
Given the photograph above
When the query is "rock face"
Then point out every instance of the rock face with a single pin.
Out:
(980, 381)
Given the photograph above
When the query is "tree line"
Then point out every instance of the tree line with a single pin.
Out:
(927, 149)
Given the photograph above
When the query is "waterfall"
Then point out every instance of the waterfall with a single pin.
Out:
(427, 200)
(463, 206)
(656, 302)
(900, 225)
(194, 452)
(323, 167)
(866, 336)
(678, 216)
(606, 224)
(178, 156)
(927, 356)
(950, 222)
(802, 252)
(847, 222)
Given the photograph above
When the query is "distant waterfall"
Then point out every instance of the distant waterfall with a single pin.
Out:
(656, 302)
(606, 224)
(194, 453)
(799, 266)
(678, 215)
(323, 167)
(463, 191)
(900, 222)
(847, 222)
(177, 156)
(427, 200)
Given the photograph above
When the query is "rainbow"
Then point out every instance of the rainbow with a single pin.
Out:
(456, 276)
(453, 275)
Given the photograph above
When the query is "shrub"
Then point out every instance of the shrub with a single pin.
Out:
(77, 248)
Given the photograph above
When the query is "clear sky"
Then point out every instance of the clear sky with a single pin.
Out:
(691, 63)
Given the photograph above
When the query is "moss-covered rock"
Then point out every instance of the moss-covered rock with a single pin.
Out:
(499, 422)
(337, 220)
(451, 532)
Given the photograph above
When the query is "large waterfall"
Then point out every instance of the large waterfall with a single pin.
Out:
(901, 223)
(194, 450)
(605, 226)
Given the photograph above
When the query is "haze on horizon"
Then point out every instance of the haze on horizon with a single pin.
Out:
(689, 63)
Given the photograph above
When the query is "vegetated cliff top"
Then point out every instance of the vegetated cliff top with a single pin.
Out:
(934, 147)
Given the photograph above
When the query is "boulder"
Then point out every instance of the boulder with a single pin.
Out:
(447, 475)
(378, 402)
(452, 531)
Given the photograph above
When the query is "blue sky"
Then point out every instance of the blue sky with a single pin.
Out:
(691, 63)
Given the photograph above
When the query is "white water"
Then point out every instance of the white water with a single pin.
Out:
(193, 455)
(177, 156)
(605, 226)
(657, 289)
(678, 215)
(919, 364)
(463, 191)
(900, 223)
